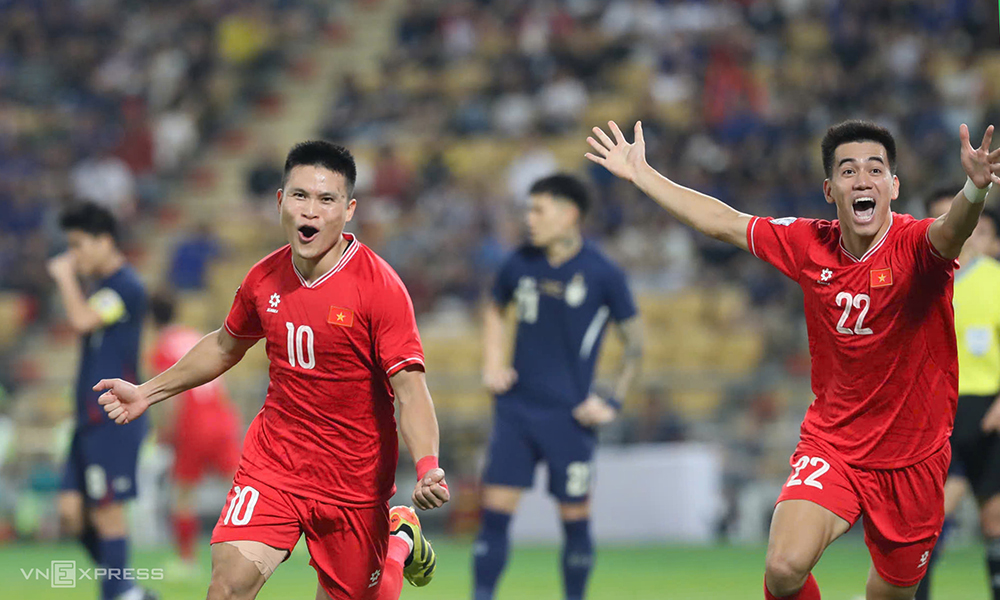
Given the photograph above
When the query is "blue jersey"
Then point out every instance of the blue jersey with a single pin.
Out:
(562, 313)
(112, 351)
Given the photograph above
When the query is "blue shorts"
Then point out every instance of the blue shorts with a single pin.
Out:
(522, 437)
(102, 462)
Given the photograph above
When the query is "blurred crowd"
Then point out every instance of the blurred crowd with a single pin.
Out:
(110, 101)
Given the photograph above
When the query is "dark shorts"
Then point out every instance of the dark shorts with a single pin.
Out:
(524, 436)
(976, 454)
(102, 462)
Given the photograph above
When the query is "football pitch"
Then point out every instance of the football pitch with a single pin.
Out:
(634, 573)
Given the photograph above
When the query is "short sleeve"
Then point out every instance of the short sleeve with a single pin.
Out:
(506, 281)
(394, 327)
(619, 296)
(780, 242)
(916, 242)
(243, 320)
(109, 305)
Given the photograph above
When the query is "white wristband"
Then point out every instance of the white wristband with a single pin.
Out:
(974, 194)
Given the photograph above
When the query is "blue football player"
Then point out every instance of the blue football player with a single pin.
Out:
(565, 292)
(100, 473)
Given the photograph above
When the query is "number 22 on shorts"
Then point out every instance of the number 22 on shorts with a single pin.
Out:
(813, 479)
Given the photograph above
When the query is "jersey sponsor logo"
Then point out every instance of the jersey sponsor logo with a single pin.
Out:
(576, 291)
(342, 317)
(880, 277)
(825, 276)
(274, 302)
(784, 221)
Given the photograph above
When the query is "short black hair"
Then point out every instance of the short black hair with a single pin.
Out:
(565, 187)
(856, 131)
(322, 154)
(162, 306)
(939, 193)
(89, 217)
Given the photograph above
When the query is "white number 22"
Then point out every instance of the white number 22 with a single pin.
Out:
(804, 462)
(856, 301)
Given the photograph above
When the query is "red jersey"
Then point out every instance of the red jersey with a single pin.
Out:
(171, 345)
(881, 335)
(327, 430)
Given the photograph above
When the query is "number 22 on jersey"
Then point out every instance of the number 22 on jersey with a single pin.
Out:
(861, 302)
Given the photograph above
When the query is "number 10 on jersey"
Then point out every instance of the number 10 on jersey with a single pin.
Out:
(300, 346)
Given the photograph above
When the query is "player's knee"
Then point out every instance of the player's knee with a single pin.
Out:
(233, 583)
(109, 520)
(786, 571)
(70, 516)
(577, 511)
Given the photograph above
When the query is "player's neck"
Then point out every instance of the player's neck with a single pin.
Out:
(563, 249)
(112, 265)
(312, 269)
(859, 245)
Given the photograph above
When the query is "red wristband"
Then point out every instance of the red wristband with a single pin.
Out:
(425, 464)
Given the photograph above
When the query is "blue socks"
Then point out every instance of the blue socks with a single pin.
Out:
(489, 554)
(114, 555)
(577, 558)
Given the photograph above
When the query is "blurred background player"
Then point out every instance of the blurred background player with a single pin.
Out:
(565, 292)
(107, 312)
(860, 451)
(320, 456)
(975, 446)
(202, 427)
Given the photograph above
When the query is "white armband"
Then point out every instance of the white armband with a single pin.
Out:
(974, 194)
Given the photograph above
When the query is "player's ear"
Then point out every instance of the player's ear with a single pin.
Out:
(281, 196)
(351, 205)
(827, 191)
(895, 188)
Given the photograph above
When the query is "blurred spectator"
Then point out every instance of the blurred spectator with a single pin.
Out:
(192, 258)
(265, 175)
(656, 421)
(393, 177)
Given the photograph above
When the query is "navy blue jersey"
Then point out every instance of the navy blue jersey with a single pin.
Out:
(562, 313)
(112, 351)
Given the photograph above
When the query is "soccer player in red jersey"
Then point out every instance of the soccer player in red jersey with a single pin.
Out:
(320, 457)
(878, 305)
(202, 426)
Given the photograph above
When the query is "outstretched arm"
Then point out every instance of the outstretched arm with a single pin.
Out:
(949, 232)
(704, 213)
(215, 354)
(419, 426)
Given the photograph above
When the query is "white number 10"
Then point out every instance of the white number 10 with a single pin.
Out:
(856, 301)
(300, 344)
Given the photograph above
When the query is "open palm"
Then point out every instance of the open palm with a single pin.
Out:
(981, 165)
(618, 156)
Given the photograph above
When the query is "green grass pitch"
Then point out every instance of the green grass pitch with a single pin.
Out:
(634, 573)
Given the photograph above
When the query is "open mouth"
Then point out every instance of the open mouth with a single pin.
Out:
(307, 233)
(864, 209)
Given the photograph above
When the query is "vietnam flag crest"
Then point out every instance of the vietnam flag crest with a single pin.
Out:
(880, 278)
(342, 317)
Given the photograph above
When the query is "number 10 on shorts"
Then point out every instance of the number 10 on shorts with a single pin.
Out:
(812, 479)
(242, 505)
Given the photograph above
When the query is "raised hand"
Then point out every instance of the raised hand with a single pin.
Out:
(594, 411)
(123, 401)
(981, 165)
(431, 491)
(620, 157)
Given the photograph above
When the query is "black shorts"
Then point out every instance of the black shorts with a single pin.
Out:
(976, 454)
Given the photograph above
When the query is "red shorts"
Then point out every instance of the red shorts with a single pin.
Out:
(347, 545)
(903, 508)
(199, 451)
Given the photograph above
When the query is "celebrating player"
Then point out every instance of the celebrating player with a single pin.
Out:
(975, 448)
(878, 290)
(320, 457)
(100, 469)
(565, 291)
(202, 427)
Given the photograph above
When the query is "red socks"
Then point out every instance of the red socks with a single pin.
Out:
(185, 532)
(809, 591)
(392, 571)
